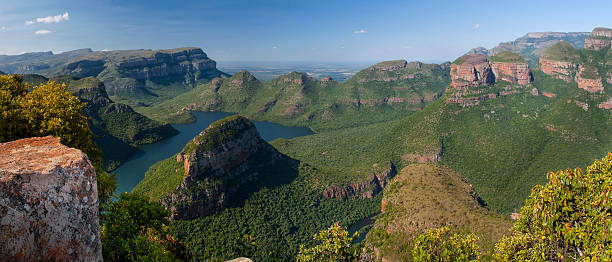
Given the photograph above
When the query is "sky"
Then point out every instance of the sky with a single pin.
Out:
(290, 30)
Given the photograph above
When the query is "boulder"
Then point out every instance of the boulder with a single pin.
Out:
(48, 203)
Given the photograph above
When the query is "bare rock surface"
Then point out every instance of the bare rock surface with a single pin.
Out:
(48, 202)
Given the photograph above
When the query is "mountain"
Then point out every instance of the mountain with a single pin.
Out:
(116, 127)
(385, 91)
(227, 184)
(425, 196)
(135, 77)
(531, 45)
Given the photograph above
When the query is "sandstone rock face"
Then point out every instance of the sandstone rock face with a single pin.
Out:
(389, 65)
(558, 69)
(166, 62)
(364, 189)
(606, 104)
(592, 84)
(48, 203)
(600, 38)
(471, 71)
(516, 73)
(240, 259)
(219, 163)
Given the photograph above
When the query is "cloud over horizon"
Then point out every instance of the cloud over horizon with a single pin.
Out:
(360, 31)
(476, 27)
(42, 32)
(50, 19)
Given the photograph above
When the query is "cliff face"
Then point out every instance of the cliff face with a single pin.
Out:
(48, 203)
(165, 63)
(365, 189)
(471, 71)
(516, 73)
(220, 164)
(589, 79)
(563, 70)
(600, 38)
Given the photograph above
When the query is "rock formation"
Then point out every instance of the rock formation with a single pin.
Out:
(219, 164)
(588, 79)
(600, 38)
(48, 203)
(471, 71)
(516, 73)
(365, 189)
(560, 61)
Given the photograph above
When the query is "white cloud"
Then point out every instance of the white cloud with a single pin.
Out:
(275, 47)
(360, 31)
(42, 32)
(476, 27)
(342, 47)
(3, 28)
(50, 19)
(407, 46)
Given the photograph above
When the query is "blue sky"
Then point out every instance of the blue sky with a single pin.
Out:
(290, 30)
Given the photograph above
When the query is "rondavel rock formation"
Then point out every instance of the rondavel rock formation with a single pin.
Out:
(474, 70)
(561, 61)
(48, 203)
(221, 164)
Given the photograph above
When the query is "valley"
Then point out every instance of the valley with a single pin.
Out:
(254, 164)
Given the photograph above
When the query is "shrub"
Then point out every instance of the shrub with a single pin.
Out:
(439, 244)
(335, 246)
(566, 219)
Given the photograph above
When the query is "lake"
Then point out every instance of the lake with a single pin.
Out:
(134, 169)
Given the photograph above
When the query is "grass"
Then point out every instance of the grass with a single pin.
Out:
(507, 57)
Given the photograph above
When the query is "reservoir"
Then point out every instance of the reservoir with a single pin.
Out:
(134, 169)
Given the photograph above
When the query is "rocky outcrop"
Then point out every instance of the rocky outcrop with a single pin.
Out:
(516, 73)
(606, 104)
(219, 164)
(600, 38)
(240, 259)
(367, 188)
(471, 71)
(84, 68)
(563, 70)
(48, 203)
(588, 79)
(389, 65)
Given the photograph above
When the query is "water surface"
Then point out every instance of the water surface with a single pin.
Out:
(134, 169)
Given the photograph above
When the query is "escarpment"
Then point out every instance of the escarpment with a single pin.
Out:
(367, 188)
(48, 203)
(221, 166)
(600, 38)
(474, 70)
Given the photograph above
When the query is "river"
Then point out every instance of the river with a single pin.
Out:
(134, 169)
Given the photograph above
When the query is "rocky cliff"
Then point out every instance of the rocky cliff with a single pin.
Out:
(600, 38)
(367, 188)
(560, 61)
(511, 68)
(48, 203)
(471, 71)
(220, 165)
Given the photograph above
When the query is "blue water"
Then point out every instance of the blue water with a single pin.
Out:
(134, 169)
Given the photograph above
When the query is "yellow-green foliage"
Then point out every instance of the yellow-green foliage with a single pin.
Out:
(335, 246)
(566, 219)
(440, 244)
(48, 109)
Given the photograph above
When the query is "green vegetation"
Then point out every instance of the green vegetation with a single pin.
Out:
(440, 245)
(136, 230)
(48, 109)
(566, 219)
(161, 178)
(507, 57)
(425, 196)
(561, 51)
(372, 95)
(335, 246)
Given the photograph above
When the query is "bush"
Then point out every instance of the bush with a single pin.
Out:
(335, 246)
(566, 219)
(440, 245)
(136, 230)
(49, 110)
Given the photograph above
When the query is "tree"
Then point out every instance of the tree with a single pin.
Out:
(48, 109)
(569, 218)
(335, 246)
(136, 230)
(439, 244)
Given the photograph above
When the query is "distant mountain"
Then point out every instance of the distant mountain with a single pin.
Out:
(384, 91)
(531, 45)
(116, 127)
(131, 76)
